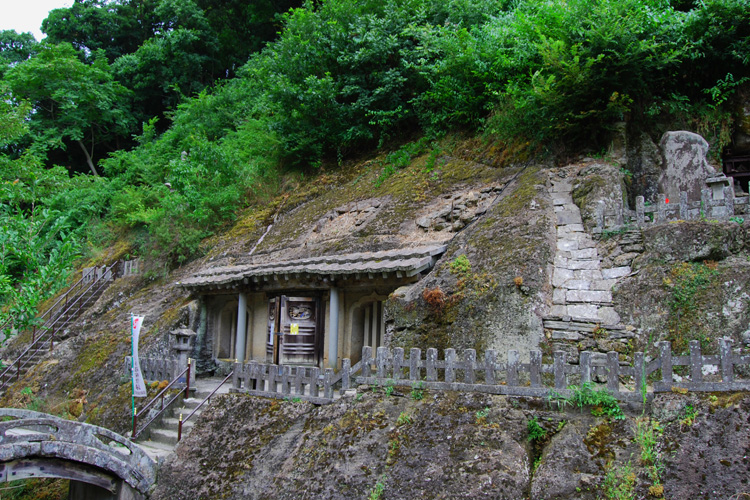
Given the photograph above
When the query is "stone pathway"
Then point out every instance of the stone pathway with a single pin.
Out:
(582, 289)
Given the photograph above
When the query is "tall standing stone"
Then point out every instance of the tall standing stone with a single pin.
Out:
(684, 165)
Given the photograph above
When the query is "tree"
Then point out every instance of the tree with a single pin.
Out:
(72, 101)
(14, 48)
(117, 28)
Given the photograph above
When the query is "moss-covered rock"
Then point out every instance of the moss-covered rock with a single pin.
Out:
(499, 300)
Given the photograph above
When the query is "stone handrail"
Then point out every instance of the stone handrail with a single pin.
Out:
(709, 207)
(34, 434)
(158, 369)
(627, 382)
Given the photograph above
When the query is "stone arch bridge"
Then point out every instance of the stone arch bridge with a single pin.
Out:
(34, 444)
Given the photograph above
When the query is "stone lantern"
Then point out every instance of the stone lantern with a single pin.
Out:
(181, 344)
(717, 184)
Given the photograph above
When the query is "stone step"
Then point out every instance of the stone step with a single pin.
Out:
(164, 436)
(174, 422)
(155, 450)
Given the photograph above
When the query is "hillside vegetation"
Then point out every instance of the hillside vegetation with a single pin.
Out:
(155, 122)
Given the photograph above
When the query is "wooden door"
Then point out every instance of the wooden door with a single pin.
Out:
(297, 321)
(299, 331)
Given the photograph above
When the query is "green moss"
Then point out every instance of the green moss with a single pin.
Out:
(694, 290)
(520, 194)
(94, 354)
(585, 187)
(598, 442)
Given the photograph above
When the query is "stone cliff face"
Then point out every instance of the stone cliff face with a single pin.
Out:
(450, 445)
(495, 287)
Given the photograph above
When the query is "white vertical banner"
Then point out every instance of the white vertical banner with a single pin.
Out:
(139, 387)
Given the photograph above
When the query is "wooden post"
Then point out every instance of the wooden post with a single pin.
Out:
(398, 362)
(450, 365)
(431, 364)
(187, 385)
(600, 220)
(585, 364)
(285, 379)
(381, 361)
(706, 202)
(251, 374)
(559, 368)
(684, 207)
(696, 362)
(640, 210)
(729, 199)
(639, 371)
(725, 353)
(366, 361)
(661, 206)
(314, 374)
(490, 357)
(470, 358)
(346, 373)
(613, 372)
(273, 370)
(512, 378)
(135, 423)
(665, 355)
(327, 385)
(415, 355)
(535, 368)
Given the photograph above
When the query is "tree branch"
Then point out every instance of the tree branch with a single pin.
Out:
(88, 158)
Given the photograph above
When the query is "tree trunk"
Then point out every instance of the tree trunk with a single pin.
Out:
(88, 158)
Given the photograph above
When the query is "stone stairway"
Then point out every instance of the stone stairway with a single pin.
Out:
(582, 309)
(162, 436)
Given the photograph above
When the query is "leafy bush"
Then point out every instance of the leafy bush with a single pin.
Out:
(536, 431)
(600, 400)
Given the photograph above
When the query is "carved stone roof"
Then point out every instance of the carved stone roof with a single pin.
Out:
(398, 263)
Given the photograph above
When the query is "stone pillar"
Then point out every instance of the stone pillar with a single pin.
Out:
(333, 329)
(239, 346)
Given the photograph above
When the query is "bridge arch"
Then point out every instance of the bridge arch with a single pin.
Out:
(34, 444)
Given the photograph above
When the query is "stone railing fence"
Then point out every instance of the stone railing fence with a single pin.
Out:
(512, 377)
(715, 203)
(131, 267)
(159, 369)
(91, 274)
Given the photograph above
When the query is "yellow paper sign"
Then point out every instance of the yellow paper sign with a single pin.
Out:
(294, 328)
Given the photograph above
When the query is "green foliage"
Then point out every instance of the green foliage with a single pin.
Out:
(72, 102)
(402, 158)
(647, 436)
(580, 64)
(37, 245)
(404, 419)
(536, 431)
(377, 491)
(389, 387)
(686, 282)
(619, 483)
(688, 414)
(417, 391)
(481, 415)
(15, 48)
(460, 266)
(600, 400)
